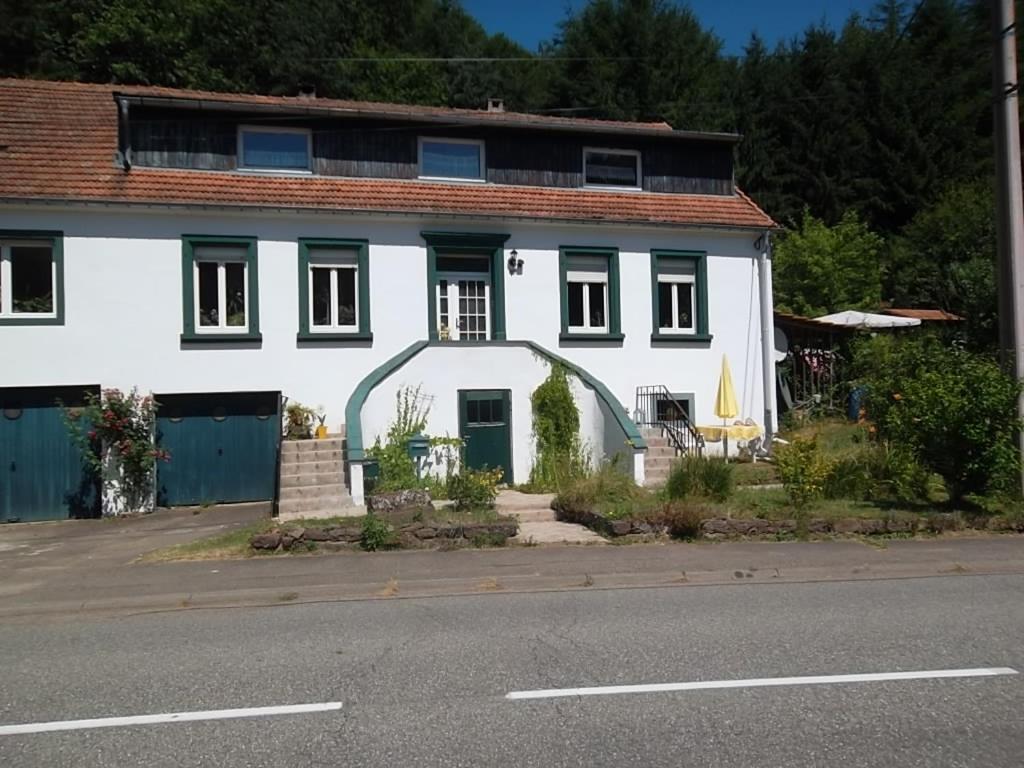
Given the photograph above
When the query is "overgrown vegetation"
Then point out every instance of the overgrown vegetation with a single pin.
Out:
(397, 469)
(952, 411)
(699, 476)
(377, 534)
(114, 432)
(804, 471)
(560, 457)
(474, 488)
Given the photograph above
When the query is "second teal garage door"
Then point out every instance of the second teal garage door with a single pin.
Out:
(223, 447)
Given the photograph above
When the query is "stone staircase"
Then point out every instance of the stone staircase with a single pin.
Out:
(659, 457)
(312, 481)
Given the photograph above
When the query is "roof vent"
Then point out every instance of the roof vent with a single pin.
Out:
(495, 105)
(307, 91)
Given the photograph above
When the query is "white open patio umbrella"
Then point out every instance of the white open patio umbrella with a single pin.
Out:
(851, 318)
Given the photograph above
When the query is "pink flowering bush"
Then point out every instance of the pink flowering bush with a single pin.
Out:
(115, 432)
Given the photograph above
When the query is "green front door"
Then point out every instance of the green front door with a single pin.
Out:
(485, 428)
(223, 447)
(42, 474)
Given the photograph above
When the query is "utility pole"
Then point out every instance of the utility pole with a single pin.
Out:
(1009, 212)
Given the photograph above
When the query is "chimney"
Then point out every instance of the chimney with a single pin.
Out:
(495, 105)
(307, 91)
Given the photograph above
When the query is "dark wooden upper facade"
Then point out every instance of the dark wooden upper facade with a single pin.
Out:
(172, 137)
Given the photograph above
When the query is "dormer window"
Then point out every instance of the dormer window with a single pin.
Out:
(451, 159)
(611, 168)
(274, 149)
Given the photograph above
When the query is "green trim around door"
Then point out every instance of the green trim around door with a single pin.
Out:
(188, 309)
(467, 243)
(362, 249)
(56, 241)
(566, 252)
(700, 261)
(485, 427)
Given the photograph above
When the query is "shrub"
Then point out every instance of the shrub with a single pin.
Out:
(377, 534)
(803, 471)
(560, 457)
(698, 476)
(953, 411)
(397, 468)
(298, 422)
(114, 432)
(474, 488)
(681, 519)
(608, 489)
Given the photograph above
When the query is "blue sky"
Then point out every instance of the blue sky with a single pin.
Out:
(530, 21)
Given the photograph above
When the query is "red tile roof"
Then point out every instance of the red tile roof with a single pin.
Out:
(934, 315)
(58, 141)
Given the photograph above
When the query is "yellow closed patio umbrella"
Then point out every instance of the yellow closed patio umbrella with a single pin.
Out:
(725, 400)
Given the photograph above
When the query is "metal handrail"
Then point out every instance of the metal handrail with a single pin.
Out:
(681, 432)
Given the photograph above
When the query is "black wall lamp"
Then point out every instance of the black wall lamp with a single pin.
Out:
(515, 264)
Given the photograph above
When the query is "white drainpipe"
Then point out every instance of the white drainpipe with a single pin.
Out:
(764, 284)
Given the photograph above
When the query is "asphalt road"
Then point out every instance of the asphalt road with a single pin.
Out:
(424, 681)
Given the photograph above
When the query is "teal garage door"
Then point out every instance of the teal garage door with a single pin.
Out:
(223, 447)
(42, 475)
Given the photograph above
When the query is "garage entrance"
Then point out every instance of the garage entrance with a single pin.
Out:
(223, 447)
(42, 474)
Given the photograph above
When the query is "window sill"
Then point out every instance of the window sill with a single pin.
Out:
(333, 337)
(253, 337)
(681, 338)
(591, 337)
(29, 320)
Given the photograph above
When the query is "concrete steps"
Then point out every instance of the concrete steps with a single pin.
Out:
(660, 457)
(312, 479)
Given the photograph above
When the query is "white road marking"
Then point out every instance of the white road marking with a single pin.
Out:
(167, 717)
(763, 682)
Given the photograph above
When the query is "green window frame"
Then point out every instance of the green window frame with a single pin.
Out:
(55, 241)
(465, 244)
(566, 255)
(308, 247)
(189, 245)
(661, 263)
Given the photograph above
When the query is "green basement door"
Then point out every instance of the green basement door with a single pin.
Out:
(223, 447)
(485, 428)
(42, 474)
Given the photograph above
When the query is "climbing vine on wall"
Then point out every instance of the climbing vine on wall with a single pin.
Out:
(560, 454)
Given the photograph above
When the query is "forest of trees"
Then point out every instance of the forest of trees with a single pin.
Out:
(871, 144)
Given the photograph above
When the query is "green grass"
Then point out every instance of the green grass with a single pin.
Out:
(235, 544)
(223, 546)
(773, 504)
(748, 473)
(836, 438)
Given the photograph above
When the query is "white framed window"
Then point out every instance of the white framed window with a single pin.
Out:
(677, 298)
(452, 159)
(586, 280)
(463, 306)
(333, 291)
(28, 280)
(612, 168)
(275, 149)
(220, 280)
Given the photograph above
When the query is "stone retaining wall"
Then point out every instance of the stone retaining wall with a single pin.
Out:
(727, 527)
(410, 536)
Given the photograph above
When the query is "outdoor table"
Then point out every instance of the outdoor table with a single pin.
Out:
(714, 433)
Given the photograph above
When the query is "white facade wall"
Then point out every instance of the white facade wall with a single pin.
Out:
(123, 310)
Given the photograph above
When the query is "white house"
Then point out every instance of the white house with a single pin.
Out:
(223, 251)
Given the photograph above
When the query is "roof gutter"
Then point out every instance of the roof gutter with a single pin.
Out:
(500, 120)
(306, 211)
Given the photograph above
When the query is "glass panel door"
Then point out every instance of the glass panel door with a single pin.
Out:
(463, 307)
